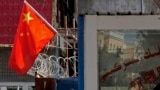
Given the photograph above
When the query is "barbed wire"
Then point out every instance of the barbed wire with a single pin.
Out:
(52, 66)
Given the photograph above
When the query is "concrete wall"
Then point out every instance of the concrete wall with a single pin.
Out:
(118, 7)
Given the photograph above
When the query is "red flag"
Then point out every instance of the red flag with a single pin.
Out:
(31, 37)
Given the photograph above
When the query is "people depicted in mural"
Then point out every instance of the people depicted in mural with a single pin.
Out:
(129, 55)
(136, 85)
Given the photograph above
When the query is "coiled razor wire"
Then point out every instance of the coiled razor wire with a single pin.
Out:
(52, 66)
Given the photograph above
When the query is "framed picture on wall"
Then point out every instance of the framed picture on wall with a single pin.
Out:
(119, 52)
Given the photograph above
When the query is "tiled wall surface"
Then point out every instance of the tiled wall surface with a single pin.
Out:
(6, 74)
(9, 16)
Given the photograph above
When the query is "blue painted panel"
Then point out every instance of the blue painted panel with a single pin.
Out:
(67, 84)
(81, 52)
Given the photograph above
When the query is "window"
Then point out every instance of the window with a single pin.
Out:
(111, 72)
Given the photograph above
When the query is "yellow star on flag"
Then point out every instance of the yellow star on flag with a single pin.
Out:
(27, 17)
(30, 40)
(21, 34)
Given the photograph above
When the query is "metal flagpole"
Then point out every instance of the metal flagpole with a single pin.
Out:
(46, 22)
(40, 16)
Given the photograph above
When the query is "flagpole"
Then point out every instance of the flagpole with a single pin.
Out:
(40, 16)
(46, 21)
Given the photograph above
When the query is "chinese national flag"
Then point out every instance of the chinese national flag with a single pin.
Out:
(31, 37)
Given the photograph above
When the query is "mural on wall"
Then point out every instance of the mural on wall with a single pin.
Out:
(128, 59)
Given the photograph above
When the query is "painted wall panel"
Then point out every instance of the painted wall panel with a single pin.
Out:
(10, 12)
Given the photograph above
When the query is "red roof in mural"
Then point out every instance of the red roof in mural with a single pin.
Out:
(10, 13)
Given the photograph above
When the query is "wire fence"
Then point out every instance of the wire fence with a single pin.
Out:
(52, 66)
